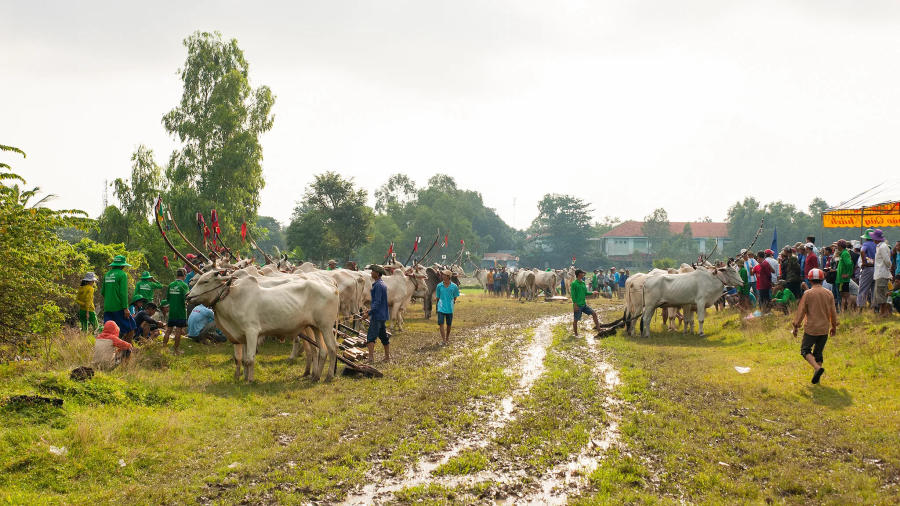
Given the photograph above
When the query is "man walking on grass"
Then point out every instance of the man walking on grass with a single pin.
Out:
(446, 293)
(817, 307)
(578, 291)
(378, 316)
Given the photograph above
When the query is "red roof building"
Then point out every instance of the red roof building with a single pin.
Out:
(628, 238)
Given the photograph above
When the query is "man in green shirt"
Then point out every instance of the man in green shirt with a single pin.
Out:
(115, 298)
(579, 291)
(783, 297)
(177, 322)
(146, 286)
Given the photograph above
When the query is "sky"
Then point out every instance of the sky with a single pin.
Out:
(629, 105)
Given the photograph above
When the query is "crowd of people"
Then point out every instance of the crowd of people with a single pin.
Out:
(143, 317)
(860, 274)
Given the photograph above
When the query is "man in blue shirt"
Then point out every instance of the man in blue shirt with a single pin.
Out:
(202, 325)
(446, 293)
(378, 316)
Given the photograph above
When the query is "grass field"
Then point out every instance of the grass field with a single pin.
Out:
(170, 429)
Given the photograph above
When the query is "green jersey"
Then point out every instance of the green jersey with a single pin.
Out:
(578, 291)
(176, 294)
(145, 288)
(115, 290)
(745, 288)
(785, 296)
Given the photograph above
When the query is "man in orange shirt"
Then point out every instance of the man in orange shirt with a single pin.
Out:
(817, 307)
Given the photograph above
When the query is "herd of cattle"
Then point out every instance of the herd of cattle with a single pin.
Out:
(284, 300)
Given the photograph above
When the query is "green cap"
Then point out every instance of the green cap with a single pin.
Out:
(164, 303)
(146, 275)
(866, 235)
(119, 261)
(138, 297)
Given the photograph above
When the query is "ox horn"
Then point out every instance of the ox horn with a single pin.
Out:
(162, 232)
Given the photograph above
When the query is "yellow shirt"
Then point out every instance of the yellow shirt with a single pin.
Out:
(85, 297)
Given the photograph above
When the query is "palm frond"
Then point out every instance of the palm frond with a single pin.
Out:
(8, 176)
(43, 200)
(12, 149)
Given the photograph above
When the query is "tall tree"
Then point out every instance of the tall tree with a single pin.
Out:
(333, 212)
(561, 228)
(656, 228)
(398, 191)
(218, 121)
(136, 194)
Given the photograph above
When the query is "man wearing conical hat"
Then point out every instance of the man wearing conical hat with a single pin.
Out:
(115, 297)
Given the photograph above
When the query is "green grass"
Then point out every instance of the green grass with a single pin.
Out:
(188, 432)
(466, 462)
(708, 434)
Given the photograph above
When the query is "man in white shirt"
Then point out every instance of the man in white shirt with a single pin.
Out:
(749, 264)
(882, 273)
(770, 258)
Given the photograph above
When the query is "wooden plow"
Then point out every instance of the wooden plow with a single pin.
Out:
(351, 349)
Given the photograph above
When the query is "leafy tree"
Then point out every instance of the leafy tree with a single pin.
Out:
(136, 194)
(269, 235)
(332, 219)
(561, 230)
(398, 191)
(37, 268)
(680, 247)
(218, 121)
(656, 228)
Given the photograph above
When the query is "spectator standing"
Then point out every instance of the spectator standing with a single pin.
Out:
(177, 322)
(817, 308)
(87, 315)
(749, 264)
(764, 281)
(490, 281)
(378, 316)
(811, 262)
(844, 273)
(115, 298)
(897, 259)
(446, 293)
(146, 286)
(867, 270)
(811, 244)
(792, 273)
(623, 278)
(770, 258)
(744, 290)
(504, 282)
(882, 273)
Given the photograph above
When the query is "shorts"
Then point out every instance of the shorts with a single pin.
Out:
(583, 309)
(377, 330)
(765, 296)
(182, 324)
(813, 345)
(445, 316)
(881, 292)
(845, 288)
(126, 324)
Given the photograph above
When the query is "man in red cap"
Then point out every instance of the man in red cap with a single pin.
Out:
(817, 307)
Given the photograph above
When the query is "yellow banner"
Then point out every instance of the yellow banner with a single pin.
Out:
(887, 215)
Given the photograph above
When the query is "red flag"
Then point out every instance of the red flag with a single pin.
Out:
(391, 249)
(416, 244)
(573, 259)
(166, 261)
(462, 242)
(446, 240)
(243, 231)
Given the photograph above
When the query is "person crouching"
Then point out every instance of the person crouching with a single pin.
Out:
(109, 350)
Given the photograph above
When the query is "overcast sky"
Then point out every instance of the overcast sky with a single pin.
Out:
(630, 105)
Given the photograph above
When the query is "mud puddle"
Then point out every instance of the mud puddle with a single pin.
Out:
(531, 367)
(554, 486)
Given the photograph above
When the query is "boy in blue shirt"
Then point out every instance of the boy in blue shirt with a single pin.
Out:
(446, 293)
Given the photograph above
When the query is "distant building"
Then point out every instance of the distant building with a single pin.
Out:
(628, 238)
(501, 258)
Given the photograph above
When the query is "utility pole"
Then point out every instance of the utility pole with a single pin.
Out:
(105, 200)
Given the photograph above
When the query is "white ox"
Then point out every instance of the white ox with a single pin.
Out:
(480, 275)
(247, 307)
(548, 281)
(701, 288)
(524, 280)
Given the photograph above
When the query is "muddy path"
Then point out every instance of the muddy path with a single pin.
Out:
(507, 478)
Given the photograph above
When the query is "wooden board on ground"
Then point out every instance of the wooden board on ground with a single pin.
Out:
(352, 358)
(555, 297)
